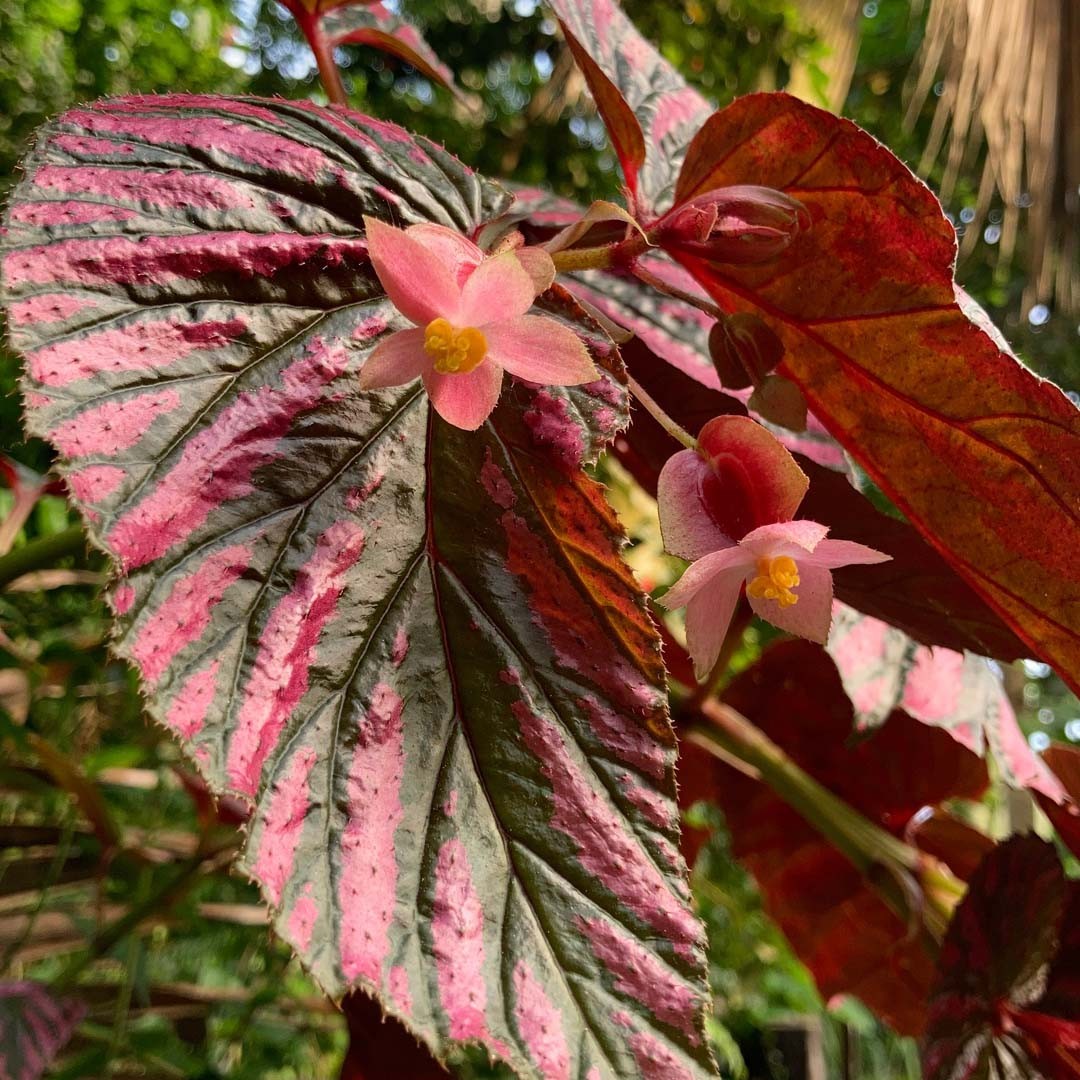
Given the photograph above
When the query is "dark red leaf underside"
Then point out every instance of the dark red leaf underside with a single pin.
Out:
(381, 1047)
(1064, 814)
(966, 442)
(883, 670)
(668, 110)
(1008, 999)
(841, 929)
(415, 650)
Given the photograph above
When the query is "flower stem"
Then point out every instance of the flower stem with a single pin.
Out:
(658, 283)
(680, 434)
(894, 868)
(324, 56)
(622, 255)
(40, 553)
(592, 258)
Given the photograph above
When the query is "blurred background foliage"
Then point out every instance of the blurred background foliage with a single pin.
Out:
(113, 862)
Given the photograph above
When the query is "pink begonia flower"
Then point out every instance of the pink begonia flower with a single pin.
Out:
(468, 312)
(728, 506)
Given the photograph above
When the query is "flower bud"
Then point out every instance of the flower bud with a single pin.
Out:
(740, 224)
(744, 350)
(779, 401)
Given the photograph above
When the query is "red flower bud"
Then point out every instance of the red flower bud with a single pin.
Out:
(744, 350)
(740, 224)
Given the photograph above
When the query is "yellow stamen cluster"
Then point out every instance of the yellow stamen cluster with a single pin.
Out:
(455, 351)
(775, 579)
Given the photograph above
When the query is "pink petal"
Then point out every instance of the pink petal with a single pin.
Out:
(689, 530)
(833, 553)
(538, 265)
(708, 616)
(396, 360)
(541, 350)
(811, 616)
(456, 252)
(794, 538)
(465, 401)
(417, 281)
(732, 563)
(740, 451)
(499, 288)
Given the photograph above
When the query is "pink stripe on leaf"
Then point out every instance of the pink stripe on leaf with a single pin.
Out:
(287, 646)
(367, 890)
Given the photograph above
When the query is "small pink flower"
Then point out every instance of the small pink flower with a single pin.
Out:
(729, 507)
(468, 312)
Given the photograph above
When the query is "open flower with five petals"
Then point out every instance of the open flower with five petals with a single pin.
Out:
(728, 507)
(470, 321)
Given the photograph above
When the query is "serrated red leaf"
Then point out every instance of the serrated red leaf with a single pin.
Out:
(970, 445)
(1007, 1002)
(838, 925)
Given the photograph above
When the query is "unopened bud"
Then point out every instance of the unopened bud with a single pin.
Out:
(779, 401)
(744, 350)
(740, 224)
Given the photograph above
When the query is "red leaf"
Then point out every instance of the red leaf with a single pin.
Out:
(967, 443)
(851, 941)
(918, 591)
(329, 23)
(1014, 933)
(627, 75)
(883, 669)
(376, 25)
(622, 125)
(1064, 762)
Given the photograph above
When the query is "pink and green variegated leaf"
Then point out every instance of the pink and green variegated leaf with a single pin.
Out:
(376, 25)
(883, 669)
(668, 111)
(414, 650)
(34, 1029)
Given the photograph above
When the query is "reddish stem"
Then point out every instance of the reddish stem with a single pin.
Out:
(647, 277)
(309, 24)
